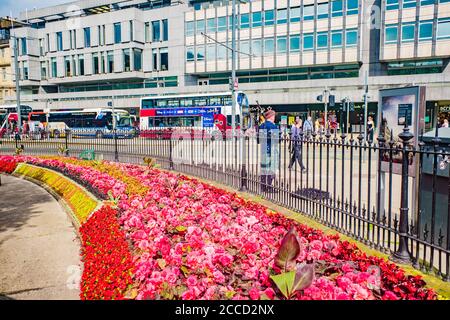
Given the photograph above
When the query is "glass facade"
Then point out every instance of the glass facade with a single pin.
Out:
(117, 32)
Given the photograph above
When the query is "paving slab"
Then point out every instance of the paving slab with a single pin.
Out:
(39, 249)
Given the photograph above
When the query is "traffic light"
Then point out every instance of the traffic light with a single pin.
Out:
(352, 106)
(320, 98)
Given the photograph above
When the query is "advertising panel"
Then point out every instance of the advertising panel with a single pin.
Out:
(398, 107)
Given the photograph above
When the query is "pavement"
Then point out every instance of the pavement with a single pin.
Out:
(39, 249)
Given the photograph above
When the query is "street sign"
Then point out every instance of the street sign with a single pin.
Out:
(110, 104)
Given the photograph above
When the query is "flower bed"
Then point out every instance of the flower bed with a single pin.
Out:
(108, 265)
(8, 164)
(81, 204)
(190, 240)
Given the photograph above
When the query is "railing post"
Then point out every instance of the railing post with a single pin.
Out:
(66, 137)
(171, 167)
(402, 255)
(243, 184)
(116, 151)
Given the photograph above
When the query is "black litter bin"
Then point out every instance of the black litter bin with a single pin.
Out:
(442, 188)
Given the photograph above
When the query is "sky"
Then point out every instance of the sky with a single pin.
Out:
(17, 6)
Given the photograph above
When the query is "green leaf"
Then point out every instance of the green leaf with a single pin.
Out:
(284, 282)
(288, 251)
(181, 228)
(185, 270)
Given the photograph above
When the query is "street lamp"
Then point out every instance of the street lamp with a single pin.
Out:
(17, 70)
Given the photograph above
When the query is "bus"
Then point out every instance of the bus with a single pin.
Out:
(85, 123)
(197, 111)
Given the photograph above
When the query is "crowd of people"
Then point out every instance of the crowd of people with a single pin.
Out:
(27, 130)
(298, 132)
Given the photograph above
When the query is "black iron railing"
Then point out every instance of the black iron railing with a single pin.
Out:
(391, 194)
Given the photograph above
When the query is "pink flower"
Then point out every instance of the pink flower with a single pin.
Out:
(191, 281)
(316, 245)
(226, 259)
(254, 293)
(218, 276)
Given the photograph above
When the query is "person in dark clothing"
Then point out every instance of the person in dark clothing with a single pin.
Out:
(269, 151)
(370, 129)
(296, 144)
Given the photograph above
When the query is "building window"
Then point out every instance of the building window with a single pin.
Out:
(200, 53)
(244, 21)
(281, 45)
(426, 2)
(269, 17)
(443, 28)
(126, 60)
(190, 28)
(336, 39)
(281, 16)
(137, 56)
(200, 27)
(81, 65)
(221, 24)
(23, 45)
(221, 52)
(308, 12)
(211, 52)
(391, 34)
(165, 26)
(322, 10)
(409, 4)
(308, 41)
(351, 38)
(156, 31)
(257, 47)
(25, 70)
(295, 14)
(67, 67)
(392, 5)
(87, 37)
(190, 54)
(43, 70)
(211, 26)
(110, 61)
(74, 66)
(337, 8)
(59, 41)
(99, 32)
(352, 7)
(256, 19)
(54, 68)
(155, 59)
(245, 49)
(322, 40)
(164, 58)
(117, 32)
(426, 30)
(95, 64)
(269, 45)
(41, 47)
(408, 31)
(294, 43)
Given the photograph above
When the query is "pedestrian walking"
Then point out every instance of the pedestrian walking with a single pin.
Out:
(269, 134)
(308, 127)
(25, 129)
(296, 145)
(445, 124)
(370, 129)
